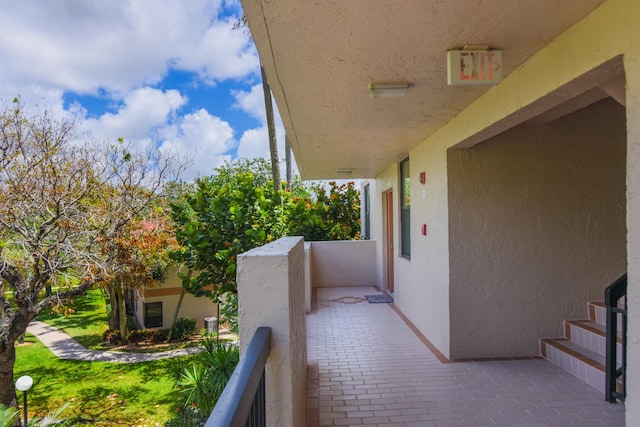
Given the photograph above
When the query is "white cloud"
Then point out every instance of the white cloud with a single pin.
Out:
(202, 138)
(252, 102)
(142, 112)
(83, 46)
(221, 53)
(254, 143)
(121, 50)
(150, 116)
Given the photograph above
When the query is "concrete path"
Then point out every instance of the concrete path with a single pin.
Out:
(65, 347)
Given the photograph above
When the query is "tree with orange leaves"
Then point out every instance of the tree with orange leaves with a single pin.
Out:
(65, 200)
(141, 255)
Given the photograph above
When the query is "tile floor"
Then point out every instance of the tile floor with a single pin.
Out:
(367, 368)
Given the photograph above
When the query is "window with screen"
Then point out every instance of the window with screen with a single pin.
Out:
(405, 209)
(153, 315)
(366, 229)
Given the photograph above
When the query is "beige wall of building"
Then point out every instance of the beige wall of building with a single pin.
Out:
(168, 292)
(536, 229)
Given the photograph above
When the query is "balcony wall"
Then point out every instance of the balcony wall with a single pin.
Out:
(343, 263)
(274, 288)
(271, 292)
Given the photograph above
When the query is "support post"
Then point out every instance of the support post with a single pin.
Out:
(271, 292)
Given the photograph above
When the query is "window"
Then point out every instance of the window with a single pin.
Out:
(153, 315)
(405, 209)
(366, 230)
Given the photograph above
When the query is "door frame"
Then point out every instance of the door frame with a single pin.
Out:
(388, 250)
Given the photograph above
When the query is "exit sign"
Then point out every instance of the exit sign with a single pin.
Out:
(474, 67)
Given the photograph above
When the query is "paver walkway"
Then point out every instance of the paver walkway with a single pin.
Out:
(367, 368)
(64, 347)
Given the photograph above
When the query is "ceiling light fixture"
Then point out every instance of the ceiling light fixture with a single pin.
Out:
(344, 171)
(387, 90)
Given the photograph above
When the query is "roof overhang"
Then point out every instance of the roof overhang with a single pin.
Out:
(320, 57)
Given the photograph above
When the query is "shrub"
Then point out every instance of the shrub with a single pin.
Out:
(112, 337)
(202, 382)
(138, 335)
(187, 417)
(8, 416)
(154, 336)
(159, 335)
(183, 327)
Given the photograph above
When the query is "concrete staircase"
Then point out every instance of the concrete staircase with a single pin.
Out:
(582, 349)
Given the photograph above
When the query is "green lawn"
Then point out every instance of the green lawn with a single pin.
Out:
(139, 394)
(129, 394)
(86, 324)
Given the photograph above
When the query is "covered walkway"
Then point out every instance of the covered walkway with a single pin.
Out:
(369, 368)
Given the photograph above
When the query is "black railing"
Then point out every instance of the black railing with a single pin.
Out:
(613, 372)
(242, 402)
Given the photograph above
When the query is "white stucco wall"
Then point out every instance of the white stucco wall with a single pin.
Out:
(307, 277)
(632, 68)
(271, 292)
(343, 263)
(388, 180)
(376, 226)
(537, 229)
(422, 284)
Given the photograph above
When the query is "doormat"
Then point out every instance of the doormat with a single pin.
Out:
(378, 298)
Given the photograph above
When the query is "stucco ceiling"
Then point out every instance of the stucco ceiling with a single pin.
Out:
(319, 57)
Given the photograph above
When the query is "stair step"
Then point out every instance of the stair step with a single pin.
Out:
(576, 359)
(598, 312)
(582, 351)
(591, 335)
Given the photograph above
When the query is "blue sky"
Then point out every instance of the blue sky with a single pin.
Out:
(171, 72)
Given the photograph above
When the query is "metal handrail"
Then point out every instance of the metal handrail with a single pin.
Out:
(242, 402)
(612, 294)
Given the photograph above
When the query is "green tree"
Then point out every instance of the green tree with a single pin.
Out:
(224, 215)
(322, 216)
(64, 201)
(236, 210)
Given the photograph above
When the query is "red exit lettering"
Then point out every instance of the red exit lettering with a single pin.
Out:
(477, 66)
(474, 67)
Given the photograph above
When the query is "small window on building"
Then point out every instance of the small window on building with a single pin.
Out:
(153, 315)
(366, 229)
(405, 209)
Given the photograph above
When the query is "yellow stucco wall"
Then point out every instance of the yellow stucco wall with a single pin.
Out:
(588, 54)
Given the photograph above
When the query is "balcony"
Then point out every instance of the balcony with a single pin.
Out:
(368, 366)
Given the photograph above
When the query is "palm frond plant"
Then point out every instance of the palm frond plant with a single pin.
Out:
(8, 416)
